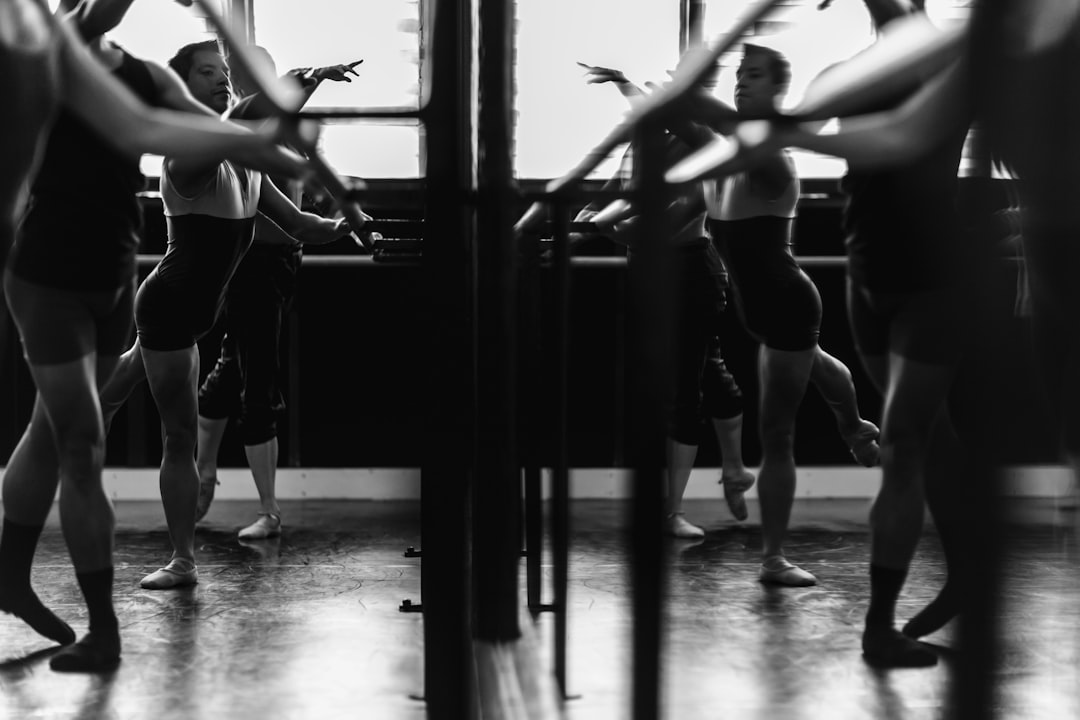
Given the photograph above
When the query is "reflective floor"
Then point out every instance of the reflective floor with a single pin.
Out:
(308, 626)
(305, 626)
(737, 649)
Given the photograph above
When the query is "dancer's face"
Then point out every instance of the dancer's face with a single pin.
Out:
(209, 82)
(755, 89)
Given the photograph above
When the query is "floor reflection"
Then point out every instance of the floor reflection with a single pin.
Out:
(307, 625)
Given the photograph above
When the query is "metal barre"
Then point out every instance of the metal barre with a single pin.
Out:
(344, 113)
(148, 260)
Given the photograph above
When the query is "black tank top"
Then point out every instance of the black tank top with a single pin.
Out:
(80, 229)
(902, 225)
(29, 83)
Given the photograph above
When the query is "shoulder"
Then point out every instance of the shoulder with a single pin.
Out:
(775, 170)
(162, 76)
(785, 163)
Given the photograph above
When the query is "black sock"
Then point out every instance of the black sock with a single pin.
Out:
(885, 586)
(97, 587)
(17, 546)
(18, 543)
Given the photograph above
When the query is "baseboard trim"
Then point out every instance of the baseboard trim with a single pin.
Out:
(585, 483)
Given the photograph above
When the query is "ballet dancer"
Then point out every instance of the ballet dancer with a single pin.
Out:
(72, 319)
(210, 209)
(751, 214)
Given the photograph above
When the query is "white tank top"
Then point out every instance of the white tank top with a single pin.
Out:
(736, 200)
(231, 193)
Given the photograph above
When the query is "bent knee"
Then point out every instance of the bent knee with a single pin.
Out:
(178, 441)
(778, 440)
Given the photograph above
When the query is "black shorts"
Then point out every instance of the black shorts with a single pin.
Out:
(171, 317)
(784, 316)
(59, 326)
(928, 326)
(777, 302)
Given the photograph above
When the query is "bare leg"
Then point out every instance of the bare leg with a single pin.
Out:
(86, 512)
(129, 373)
(173, 377)
(680, 462)
(784, 377)
(915, 395)
(30, 481)
(945, 496)
(211, 430)
(723, 403)
(68, 393)
(729, 437)
(32, 474)
(734, 476)
(262, 459)
(832, 379)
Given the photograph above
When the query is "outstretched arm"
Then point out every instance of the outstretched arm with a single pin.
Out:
(256, 107)
(707, 109)
(882, 12)
(595, 75)
(305, 227)
(893, 137)
(535, 216)
(124, 121)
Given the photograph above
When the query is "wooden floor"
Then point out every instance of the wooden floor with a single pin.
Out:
(309, 626)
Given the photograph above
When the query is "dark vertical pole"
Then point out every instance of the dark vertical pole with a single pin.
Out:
(560, 471)
(449, 424)
(695, 22)
(691, 17)
(534, 526)
(241, 16)
(497, 502)
(649, 323)
(292, 369)
(684, 25)
(530, 413)
(973, 692)
(620, 382)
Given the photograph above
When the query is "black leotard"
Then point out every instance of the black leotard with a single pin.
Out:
(208, 235)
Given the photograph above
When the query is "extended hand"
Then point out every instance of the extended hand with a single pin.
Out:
(323, 230)
(595, 74)
(337, 73)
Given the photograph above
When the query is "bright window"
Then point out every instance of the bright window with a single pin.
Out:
(316, 33)
(559, 117)
(156, 30)
(313, 33)
(812, 40)
(383, 33)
